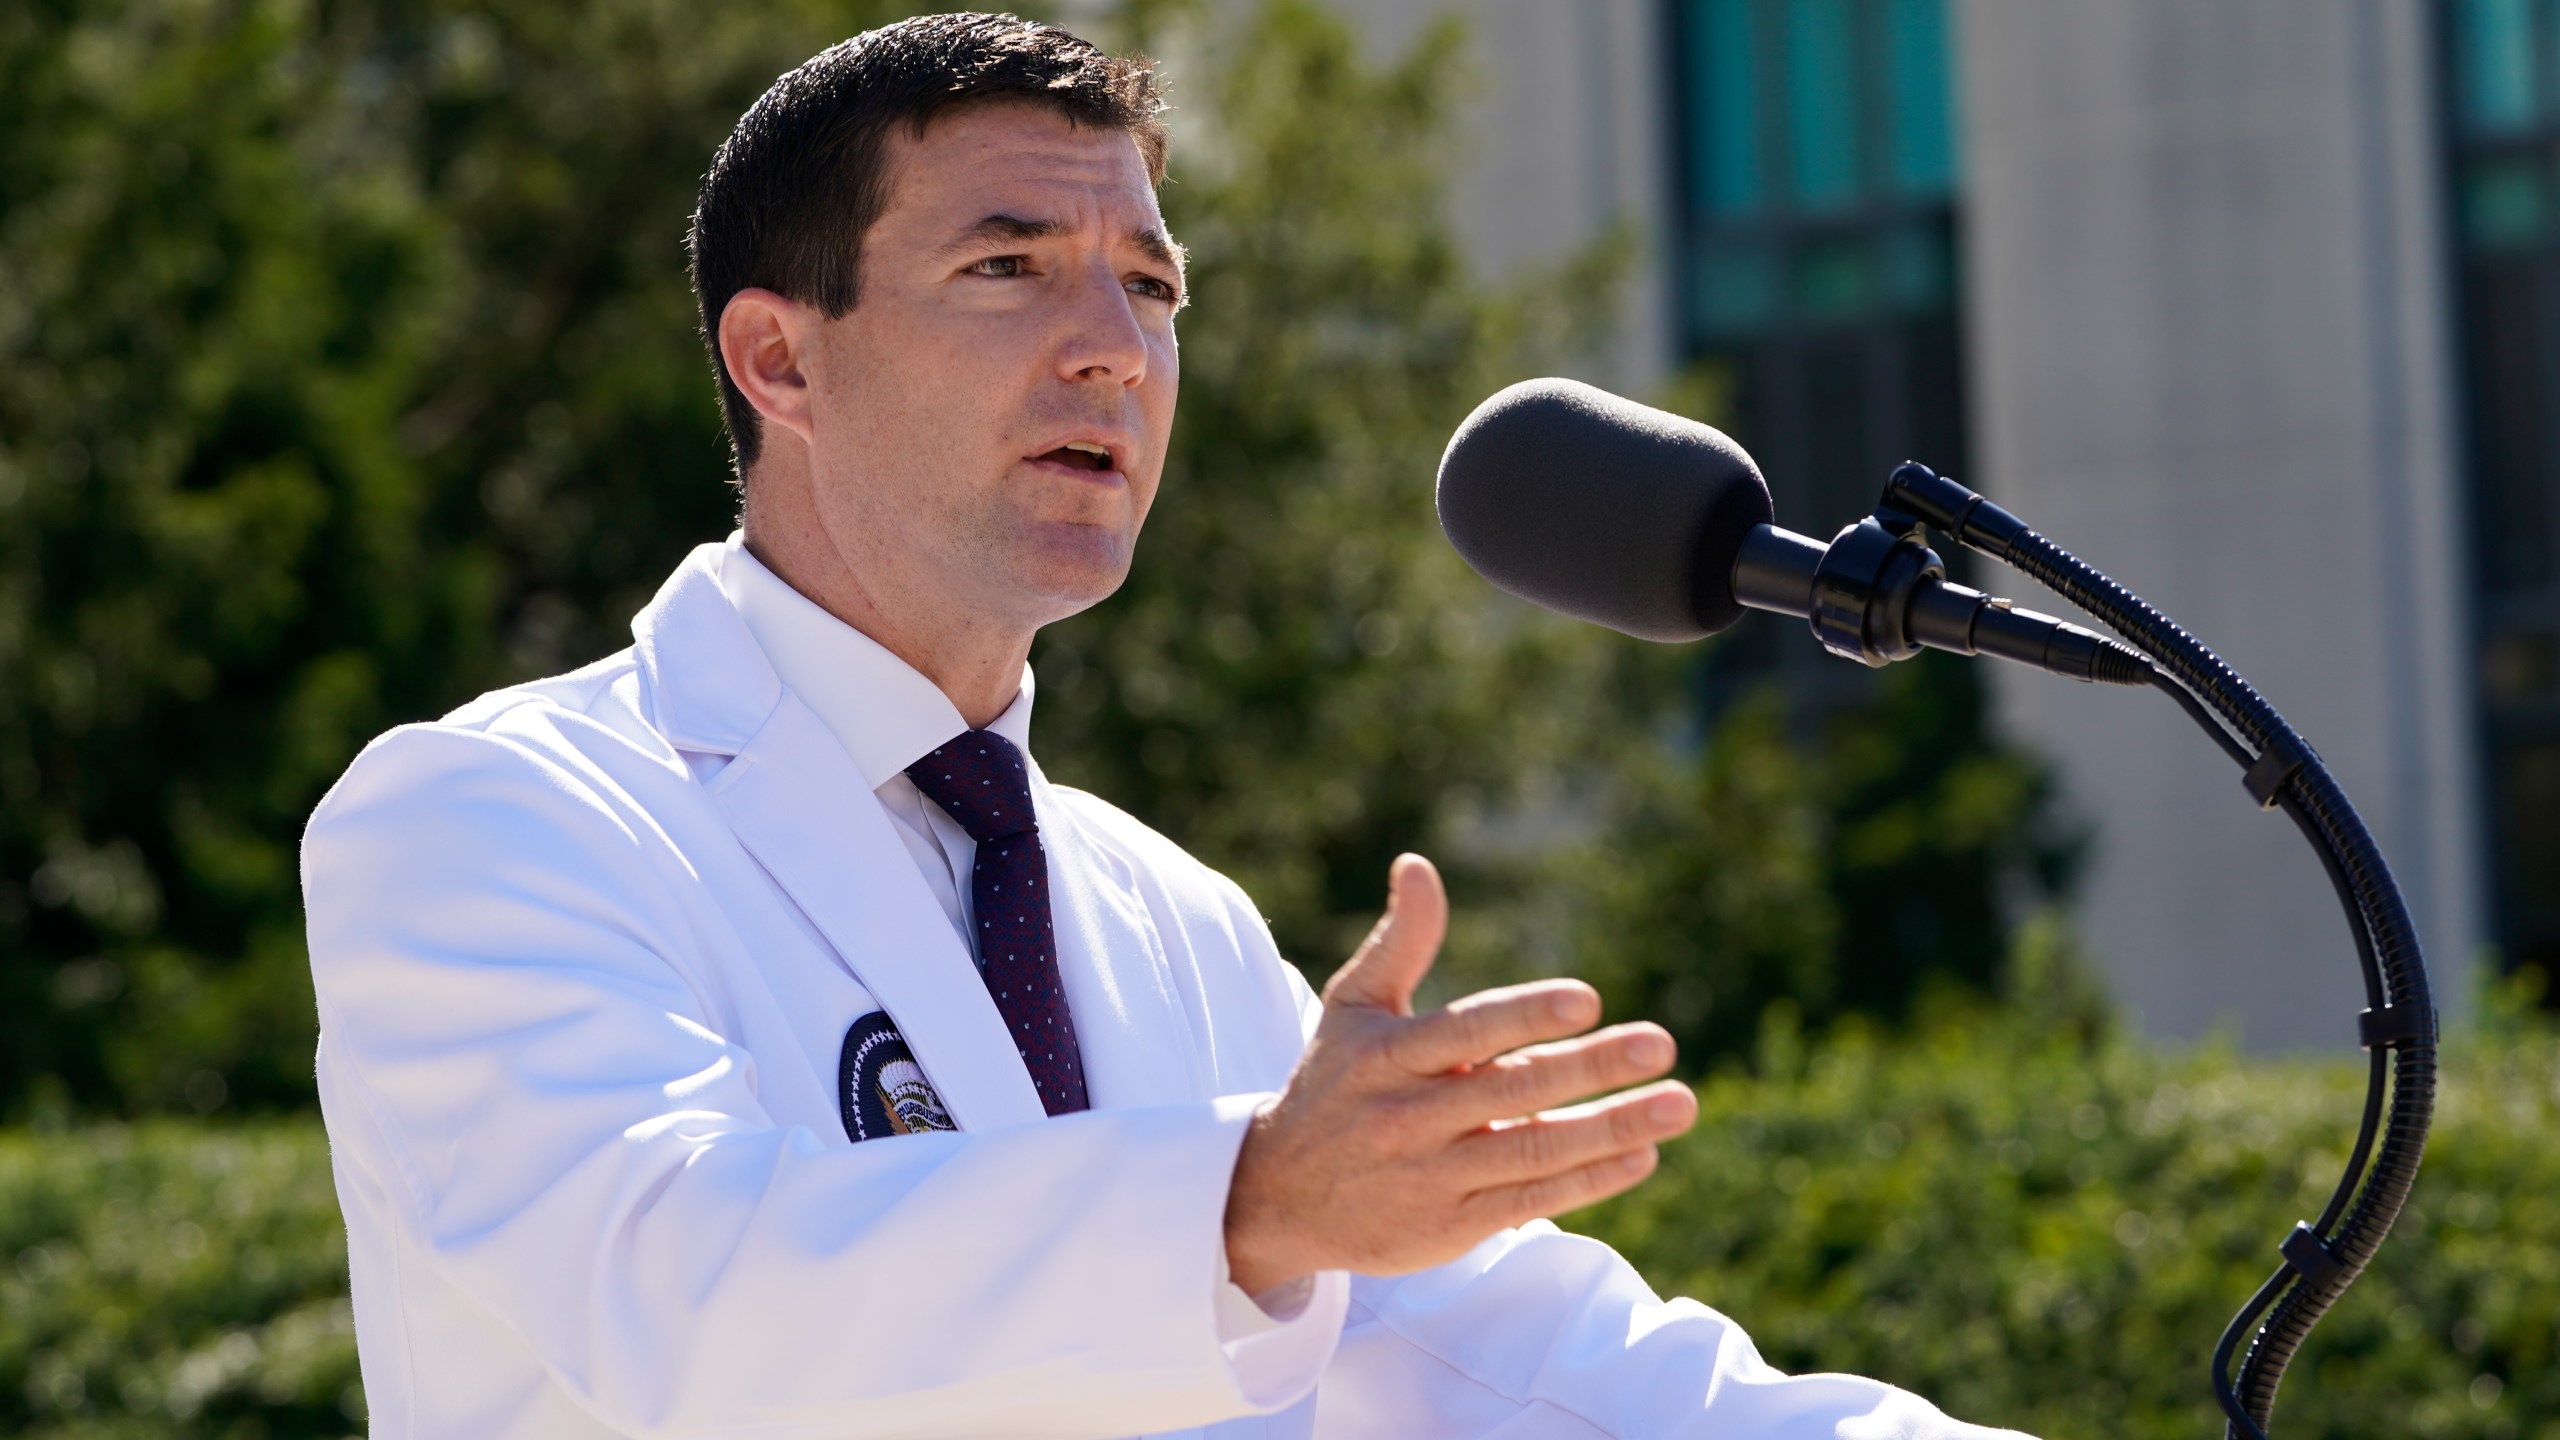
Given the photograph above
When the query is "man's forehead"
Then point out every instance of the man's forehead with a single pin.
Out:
(1020, 159)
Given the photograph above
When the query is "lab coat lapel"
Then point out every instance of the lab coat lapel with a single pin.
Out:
(798, 803)
(1136, 1040)
(800, 806)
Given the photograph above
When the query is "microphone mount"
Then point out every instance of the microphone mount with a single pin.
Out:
(1877, 594)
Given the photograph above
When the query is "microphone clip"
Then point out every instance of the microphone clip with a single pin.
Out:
(1863, 590)
(1877, 593)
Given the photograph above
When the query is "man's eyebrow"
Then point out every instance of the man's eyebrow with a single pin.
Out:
(1151, 242)
(1161, 248)
(1002, 227)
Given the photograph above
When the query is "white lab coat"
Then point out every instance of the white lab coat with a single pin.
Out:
(585, 953)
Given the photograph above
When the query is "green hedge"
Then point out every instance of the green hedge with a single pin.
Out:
(2050, 1234)
(172, 1279)
(2034, 1229)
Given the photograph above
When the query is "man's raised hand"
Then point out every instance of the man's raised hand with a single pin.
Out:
(1401, 1140)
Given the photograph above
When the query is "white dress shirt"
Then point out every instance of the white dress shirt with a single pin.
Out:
(888, 716)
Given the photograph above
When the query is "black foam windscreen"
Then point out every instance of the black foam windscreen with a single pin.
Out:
(1581, 501)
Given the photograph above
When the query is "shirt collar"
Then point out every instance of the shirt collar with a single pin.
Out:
(884, 712)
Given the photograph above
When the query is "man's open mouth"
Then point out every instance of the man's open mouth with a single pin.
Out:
(1082, 455)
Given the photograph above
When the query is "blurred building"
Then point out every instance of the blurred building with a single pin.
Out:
(2256, 306)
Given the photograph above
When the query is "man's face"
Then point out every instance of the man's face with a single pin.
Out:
(990, 418)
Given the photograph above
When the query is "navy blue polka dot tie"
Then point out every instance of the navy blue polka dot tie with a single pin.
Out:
(979, 780)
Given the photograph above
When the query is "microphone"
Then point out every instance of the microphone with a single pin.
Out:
(1659, 527)
(1624, 515)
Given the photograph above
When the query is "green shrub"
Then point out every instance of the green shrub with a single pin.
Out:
(2049, 1232)
(2031, 1228)
(173, 1279)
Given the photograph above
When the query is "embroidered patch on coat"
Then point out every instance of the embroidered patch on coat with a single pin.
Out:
(881, 1087)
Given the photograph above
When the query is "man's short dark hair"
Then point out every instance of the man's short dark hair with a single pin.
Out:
(799, 182)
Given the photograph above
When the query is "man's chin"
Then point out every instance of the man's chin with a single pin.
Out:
(1073, 568)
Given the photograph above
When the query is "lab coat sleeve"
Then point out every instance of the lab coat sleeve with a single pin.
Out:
(1537, 1332)
(499, 939)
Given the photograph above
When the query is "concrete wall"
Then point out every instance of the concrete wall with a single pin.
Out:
(2208, 339)
(1569, 134)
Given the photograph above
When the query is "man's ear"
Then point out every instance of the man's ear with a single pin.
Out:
(765, 340)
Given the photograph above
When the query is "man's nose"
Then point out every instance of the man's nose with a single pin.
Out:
(1102, 338)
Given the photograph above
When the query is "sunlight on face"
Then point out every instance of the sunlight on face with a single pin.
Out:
(991, 416)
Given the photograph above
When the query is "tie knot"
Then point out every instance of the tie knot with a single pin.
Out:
(978, 778)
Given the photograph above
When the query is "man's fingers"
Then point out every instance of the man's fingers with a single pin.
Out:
(1543, 1077)
(1571, 1190)
(1493, 1022)
(1567, 1140)
(1401, 946)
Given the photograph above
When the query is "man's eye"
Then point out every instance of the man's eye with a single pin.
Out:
(1002, 267)
(1151, 287)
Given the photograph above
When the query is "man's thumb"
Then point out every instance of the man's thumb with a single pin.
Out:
(1390, 964)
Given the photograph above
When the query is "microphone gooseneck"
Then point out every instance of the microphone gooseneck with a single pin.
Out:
(1660, 527)
(2398, 1026)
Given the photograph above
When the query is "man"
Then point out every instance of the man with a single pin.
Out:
(740, 1036)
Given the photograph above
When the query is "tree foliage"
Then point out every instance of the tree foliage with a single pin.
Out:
(346, 369)
(1849, 861)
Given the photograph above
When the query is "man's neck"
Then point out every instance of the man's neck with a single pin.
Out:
(976, 664)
